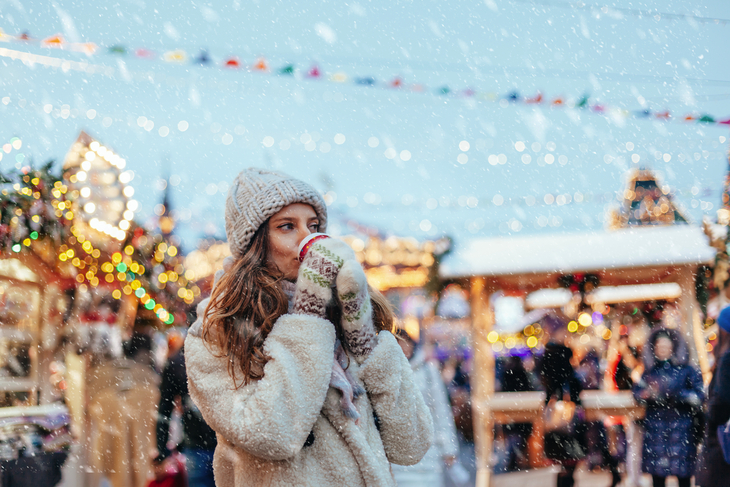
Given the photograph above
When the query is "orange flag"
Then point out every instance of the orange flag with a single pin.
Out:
(53, 41)
(261, 65)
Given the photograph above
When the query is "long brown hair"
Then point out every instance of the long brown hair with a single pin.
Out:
(246, 303)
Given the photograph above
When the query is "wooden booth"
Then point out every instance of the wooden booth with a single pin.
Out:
(635, 257)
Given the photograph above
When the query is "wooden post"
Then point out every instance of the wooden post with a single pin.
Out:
(687, 303)
(482, 378)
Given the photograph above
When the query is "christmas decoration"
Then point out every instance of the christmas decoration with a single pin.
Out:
(51, 216)
(646, 202)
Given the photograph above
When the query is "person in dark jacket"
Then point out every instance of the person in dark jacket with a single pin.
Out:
(673, 394)
(199, 440)
(714, 471)
(516, 379)
(561, 382)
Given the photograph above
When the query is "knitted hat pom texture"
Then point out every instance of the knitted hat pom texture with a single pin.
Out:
(258, 194)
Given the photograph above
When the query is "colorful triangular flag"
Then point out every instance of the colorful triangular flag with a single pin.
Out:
(232, 62)
(314, 72)
(117, 49)
(261, 65)
(535, 99)
(144, 53)
(88, 48)
(202, 58)
(367, 81)
(53, 41)
(287, 70)
(177, 56)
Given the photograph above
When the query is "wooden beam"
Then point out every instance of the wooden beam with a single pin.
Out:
(482, 377)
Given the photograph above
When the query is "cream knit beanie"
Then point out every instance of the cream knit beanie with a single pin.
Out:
(258, 194)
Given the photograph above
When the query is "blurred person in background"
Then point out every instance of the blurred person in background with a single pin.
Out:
(561, 384)
(443, 454)
(673, 392)
(713, 470)
(123, 397)
(198, 439)
(516, 379)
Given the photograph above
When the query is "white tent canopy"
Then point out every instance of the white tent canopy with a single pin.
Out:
(579, 252)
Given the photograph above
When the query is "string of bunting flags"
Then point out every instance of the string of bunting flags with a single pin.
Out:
(315, 72)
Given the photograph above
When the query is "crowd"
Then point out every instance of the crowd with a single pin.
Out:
(680, 427)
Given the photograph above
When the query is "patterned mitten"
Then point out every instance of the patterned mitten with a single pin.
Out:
(317, 273)
(357, 315)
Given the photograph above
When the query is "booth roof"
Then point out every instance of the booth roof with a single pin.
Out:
(579, 252)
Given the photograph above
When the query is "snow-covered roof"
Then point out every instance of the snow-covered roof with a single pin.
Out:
(579, 252)
(638, 292)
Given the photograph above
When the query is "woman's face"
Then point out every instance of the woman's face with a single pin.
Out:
(663, 348)
(286, 229)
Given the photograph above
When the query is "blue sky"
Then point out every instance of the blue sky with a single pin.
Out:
(415, 180)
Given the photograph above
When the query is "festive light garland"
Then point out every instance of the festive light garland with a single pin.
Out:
(38, 209)
(315, 72)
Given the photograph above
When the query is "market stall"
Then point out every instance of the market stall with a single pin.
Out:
(75, 271)
(649, 255)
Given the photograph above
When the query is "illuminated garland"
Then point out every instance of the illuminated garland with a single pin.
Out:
(585, 325)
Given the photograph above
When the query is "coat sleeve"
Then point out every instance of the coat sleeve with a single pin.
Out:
(692, 391)
(406, 426)
(443, 418)
(272, 417)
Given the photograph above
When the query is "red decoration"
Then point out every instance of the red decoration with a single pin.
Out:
(535, 99)
(314, 72)
(232, 63)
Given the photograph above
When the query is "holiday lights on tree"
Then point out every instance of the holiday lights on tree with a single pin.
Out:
(81, 224)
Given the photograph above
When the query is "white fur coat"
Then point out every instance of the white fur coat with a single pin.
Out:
(262, 428)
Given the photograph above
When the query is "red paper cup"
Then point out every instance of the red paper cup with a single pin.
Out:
(307, 243)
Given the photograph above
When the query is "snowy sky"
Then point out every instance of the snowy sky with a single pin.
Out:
(400, 166)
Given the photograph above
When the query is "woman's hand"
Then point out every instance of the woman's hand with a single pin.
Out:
(316, 275)
(357, 316)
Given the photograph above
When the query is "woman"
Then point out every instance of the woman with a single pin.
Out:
(445, 450)
(714, 471)
(561, 383)
(282, 386)
(673, 393)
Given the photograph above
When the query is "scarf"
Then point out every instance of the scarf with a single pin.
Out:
(341, 379)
